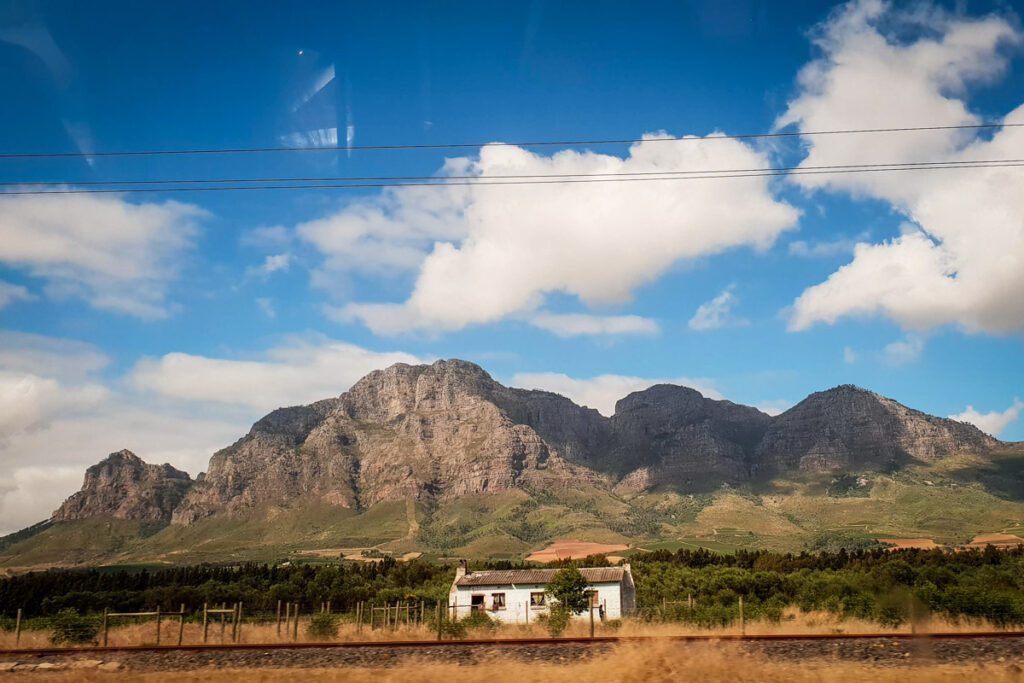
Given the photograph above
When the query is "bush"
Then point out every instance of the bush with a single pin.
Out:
(478, 620)
(323, 625)
(453, 630)
(71, 628)
(557, 620)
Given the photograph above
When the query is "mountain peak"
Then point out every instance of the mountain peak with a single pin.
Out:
(123, 486)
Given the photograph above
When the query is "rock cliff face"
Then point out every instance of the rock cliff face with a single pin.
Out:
(124, 487)
(672, 435)
(851, 428)
(448, 429)
(441, 430)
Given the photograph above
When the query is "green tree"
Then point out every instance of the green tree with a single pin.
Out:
(570, 590)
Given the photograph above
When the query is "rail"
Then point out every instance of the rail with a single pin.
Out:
(427, 644)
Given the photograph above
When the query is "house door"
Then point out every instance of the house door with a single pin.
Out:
(476, 602)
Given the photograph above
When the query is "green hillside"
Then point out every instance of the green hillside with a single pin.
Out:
(950, 502)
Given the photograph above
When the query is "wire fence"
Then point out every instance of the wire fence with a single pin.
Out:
(231, 623)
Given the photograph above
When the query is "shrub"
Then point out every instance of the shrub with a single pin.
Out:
(558, 620)
(71, 628)
(478, 620)
(453, 630)
(323, 625)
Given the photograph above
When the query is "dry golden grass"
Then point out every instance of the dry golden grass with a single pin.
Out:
(793, 622)
(627, 663)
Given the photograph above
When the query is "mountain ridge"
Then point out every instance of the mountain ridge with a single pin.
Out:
(443, 451)
(449, 429)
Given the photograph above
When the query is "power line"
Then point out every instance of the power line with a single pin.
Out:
(439, 179)
(555, 181)
(464, 145)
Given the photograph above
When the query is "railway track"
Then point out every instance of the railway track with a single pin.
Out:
(879, 649)
(522, 642)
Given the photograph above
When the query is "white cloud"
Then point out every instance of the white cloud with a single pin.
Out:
(578, 324)
(116, 255)
(273, 263)
(9, 293)
(601, 392)
(716, 313)
(849, 356)
(28, 402)
(298, 372)
(904, 351)
(993, 422)
(389, 233)
(487, 252)
(963, 262)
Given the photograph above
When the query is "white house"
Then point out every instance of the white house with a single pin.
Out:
(517, 596)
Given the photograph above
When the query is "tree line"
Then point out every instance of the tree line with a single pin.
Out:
(697, 586)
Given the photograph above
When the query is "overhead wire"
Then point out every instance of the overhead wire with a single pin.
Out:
(525, 143)
(540, 179)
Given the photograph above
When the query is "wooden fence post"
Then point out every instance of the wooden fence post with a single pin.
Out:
(181, 624)
(235, 616)
(437, 609)
(279, 619)
(206, 622)
(591, 616)
(157, 625)
(295, 633)
(223, 621)
(17, 627)
(743, 624)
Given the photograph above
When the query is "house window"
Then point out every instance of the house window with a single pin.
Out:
(538, 599)
(497, 601)
(476, 601)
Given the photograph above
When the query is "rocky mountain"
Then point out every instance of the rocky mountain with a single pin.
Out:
(122, 486)
(447, 430)
(850, 428)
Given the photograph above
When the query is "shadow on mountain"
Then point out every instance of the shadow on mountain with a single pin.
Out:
(1002, 474)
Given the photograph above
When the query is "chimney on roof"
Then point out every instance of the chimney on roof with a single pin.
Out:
(460, 571)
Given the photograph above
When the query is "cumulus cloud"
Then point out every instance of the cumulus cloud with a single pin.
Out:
(601, 392)
(390, 233)
(297, 372)
(962, 260)
(116, 255)
(28, 402)
(904, 351)
(43, 377)
(992, 422)
(580, 324)
(10, 293)
(716, 313)
(849, 355)
(486, 252)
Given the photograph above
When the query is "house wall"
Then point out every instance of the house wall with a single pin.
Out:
(517, 601)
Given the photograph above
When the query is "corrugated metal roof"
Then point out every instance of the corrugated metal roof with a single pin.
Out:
(539, 576)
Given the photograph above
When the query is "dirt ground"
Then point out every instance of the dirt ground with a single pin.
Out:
(567, 549)
(881, 662)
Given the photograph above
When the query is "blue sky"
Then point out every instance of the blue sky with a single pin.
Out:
(166, 323)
